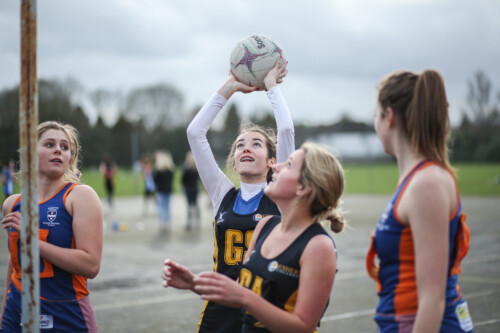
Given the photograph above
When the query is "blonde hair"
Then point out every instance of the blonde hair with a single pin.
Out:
(72, 174)
(419, 101)
(164, 161)
(324, 174)
(270, 142)
(189, 162)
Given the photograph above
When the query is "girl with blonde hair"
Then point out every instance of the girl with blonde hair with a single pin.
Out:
(163, 176)
(290, 266)
(71, 238)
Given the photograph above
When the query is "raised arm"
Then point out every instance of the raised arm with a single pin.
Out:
(284, 122)
(215, 181)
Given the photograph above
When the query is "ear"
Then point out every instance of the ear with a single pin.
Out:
(303, 191)
(271, 162)
(391, 116)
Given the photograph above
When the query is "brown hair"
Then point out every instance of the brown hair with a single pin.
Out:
(419, 101)
(270, 141)
(324, 173)
(73, 174)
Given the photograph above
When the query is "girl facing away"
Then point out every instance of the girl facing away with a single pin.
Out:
(71, 238)
(422, 237)
(236, 211)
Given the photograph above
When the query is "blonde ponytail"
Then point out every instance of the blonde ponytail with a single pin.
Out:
(323, 173)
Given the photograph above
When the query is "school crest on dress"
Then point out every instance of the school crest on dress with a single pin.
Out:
(52, 213)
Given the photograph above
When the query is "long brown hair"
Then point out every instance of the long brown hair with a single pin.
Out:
(419, 101)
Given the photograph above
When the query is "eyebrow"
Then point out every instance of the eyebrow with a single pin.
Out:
(52, 139)
(253, 139)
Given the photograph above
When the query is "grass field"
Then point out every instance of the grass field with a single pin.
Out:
(473, 179)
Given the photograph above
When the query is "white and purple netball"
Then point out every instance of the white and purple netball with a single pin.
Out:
(253, 57)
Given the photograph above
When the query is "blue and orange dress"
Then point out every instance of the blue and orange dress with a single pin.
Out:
(64, 302)
(392, 242)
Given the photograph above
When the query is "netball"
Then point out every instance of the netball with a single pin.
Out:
(252, 57)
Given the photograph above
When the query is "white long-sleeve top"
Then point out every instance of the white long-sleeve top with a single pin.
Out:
(215, 181)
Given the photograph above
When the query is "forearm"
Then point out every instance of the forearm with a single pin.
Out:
(284, 124)
(429, 315)
(8, 280)
(74, 261)
(215, 181)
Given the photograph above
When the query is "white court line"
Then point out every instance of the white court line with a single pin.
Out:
(477, 279)
(487, 258)
(481, 293)
(349, 315)
(144, 301)
(372, 311)
(351, 275)
(174, 298)
(486, 322)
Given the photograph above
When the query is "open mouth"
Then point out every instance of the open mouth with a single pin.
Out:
(56, 160)
(246, 159)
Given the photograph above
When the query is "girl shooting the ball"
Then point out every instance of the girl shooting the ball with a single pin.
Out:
(236, 211)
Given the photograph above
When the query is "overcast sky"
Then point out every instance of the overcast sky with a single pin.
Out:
(337, 50)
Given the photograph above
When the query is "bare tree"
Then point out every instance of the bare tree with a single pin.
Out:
(157, 105)
(478, 137)
(106, 102)
(483, 112)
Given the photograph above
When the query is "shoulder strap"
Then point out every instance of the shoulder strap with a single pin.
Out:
(268, 227)
(304, 238)
(18, 199)
(404, 184)
(266, 230)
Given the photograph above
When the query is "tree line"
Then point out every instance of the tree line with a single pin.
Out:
(153, 117)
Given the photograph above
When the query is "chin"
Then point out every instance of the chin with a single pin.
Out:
(269, 189)
(270, 196)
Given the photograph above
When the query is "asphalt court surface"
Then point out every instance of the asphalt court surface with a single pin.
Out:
(127, 295)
